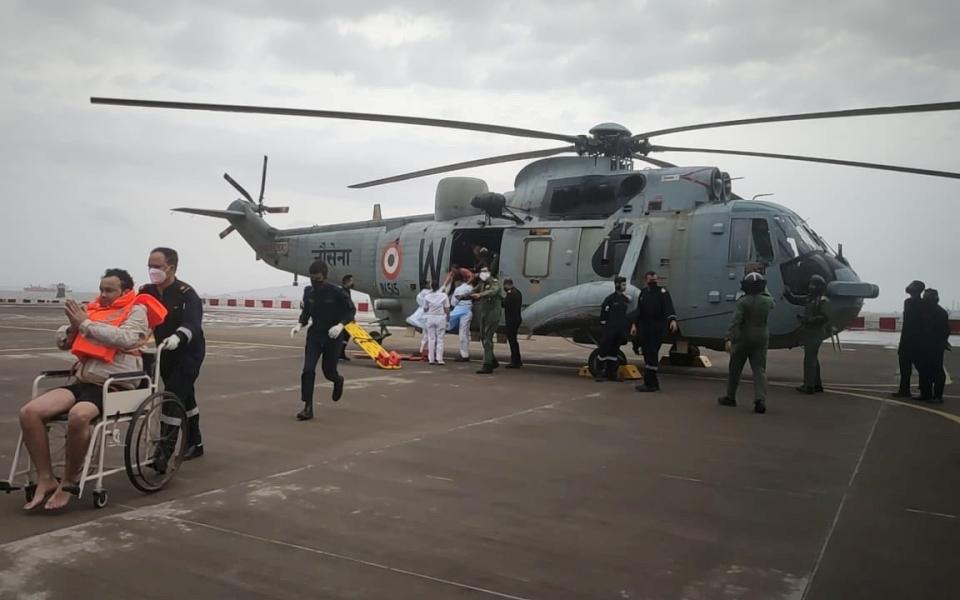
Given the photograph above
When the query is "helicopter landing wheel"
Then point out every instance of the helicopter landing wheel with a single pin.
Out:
(593, 363)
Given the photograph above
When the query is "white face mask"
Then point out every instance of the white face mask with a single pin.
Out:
(157, 276)
(484, 276)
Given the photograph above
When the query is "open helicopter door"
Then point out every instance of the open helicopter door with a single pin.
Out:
(638, 234)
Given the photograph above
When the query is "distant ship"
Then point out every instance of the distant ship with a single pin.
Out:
(59, 287)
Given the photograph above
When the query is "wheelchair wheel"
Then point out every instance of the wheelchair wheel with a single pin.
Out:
(100, 499)
(156, 439)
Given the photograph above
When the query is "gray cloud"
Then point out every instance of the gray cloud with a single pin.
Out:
(73, 172)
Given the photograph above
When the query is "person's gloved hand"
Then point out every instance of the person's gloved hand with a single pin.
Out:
(171, 343)
(335, 331)
(728, 346)
(296, 329)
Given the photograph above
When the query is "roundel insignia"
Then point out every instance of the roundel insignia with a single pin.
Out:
(391, 259)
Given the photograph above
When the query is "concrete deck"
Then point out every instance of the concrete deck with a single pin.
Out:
(434, 482)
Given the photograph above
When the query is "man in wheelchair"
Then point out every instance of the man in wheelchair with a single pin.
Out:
(106, 338)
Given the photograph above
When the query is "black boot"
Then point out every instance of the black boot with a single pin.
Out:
(192, 452)
(901, 394)
(307, 413)
(337, 391)
(805, 390)
(726, 401)
(194, 440)
(759, 407)
(650, 383)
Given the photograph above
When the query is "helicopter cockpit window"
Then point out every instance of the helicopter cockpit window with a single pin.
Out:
(740, 241)
(762, 246)
(750, 241)
(795, 237)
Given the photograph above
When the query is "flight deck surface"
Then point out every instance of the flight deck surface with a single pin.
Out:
(435, 482)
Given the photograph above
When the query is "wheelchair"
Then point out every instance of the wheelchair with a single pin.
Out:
(146, 423)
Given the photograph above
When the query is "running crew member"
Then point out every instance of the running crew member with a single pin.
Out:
(329, 310)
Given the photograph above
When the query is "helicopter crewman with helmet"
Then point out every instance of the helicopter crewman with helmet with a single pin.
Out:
(655, 315)
(613, 320)
(814, 329)
(748, 339)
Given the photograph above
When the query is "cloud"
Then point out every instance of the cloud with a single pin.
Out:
(75, 172)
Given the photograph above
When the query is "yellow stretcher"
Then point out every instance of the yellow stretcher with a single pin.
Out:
(360, 336)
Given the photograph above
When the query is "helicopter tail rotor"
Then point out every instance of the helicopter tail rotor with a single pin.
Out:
(258, 207)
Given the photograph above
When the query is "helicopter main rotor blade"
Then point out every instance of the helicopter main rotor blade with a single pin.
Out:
(334, 114)
(814, 159)
(653, 161)
(466, 165)
(833, 114)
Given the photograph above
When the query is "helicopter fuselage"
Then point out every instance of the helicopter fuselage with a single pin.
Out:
(580, 221)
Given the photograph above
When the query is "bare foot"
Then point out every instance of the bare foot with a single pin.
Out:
(44, 489)
(59, 499)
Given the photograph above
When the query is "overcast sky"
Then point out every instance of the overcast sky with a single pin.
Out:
(87, 187)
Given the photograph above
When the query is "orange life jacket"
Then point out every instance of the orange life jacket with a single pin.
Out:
(115, 314)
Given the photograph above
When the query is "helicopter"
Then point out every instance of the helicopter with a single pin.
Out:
(571, 224)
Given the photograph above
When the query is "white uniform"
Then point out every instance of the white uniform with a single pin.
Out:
(435, 307)
(464, 289)
(418, 317)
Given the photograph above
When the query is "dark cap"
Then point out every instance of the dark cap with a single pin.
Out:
(916, 286)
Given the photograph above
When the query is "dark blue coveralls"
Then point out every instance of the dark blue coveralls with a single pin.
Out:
(324, 305)
(180, 368)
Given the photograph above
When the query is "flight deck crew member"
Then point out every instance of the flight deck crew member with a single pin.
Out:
(181, 334)
(655, 315)
(748, 339)
(814, 324)
(329, 310)
(614, 325)
(346, 285)
(487, 302)
(512, 304)
(908, 349)
(935, 336)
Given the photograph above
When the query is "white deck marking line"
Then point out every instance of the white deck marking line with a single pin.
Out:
(344, 557)
(290, 472)
(832, 390)
(843, 501)
(438, 477)
(253, 344)
(26, 328)
(948, 416)
(681, 478)
(45, 348)
(262, 358)
(930, 512)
